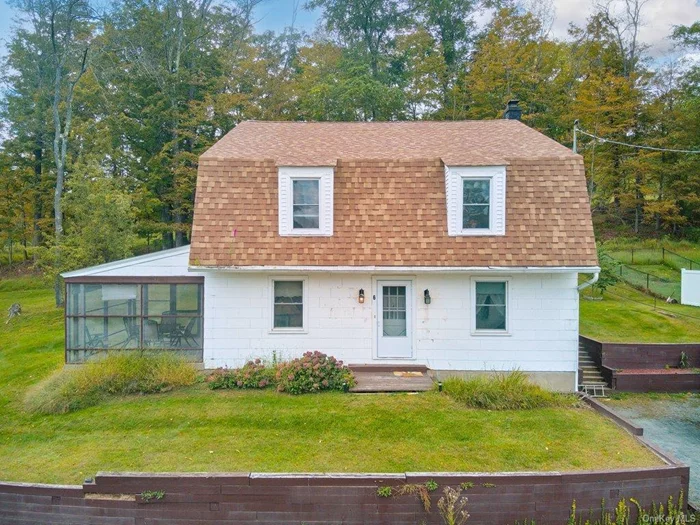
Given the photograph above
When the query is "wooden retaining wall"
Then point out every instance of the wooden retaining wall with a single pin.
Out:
(629, 381)
(275, 499)
(618, 362)
(622, 356)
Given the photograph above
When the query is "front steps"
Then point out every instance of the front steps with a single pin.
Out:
(592, 382)
(390, 378)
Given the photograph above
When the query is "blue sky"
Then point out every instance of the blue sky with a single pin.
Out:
(277, 14)
(269, 15)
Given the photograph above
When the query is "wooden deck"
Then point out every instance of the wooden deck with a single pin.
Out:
(391, 378)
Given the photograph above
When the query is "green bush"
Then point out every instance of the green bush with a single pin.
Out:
(117, 374)
(313, 372)
(504, 391)
(254, 374)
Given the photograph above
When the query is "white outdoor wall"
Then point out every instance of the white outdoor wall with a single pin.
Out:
(690, 287)
(543, 322)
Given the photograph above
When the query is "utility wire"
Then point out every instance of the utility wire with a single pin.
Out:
(652, 148)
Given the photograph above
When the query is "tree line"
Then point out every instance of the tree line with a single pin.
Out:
(105, 113)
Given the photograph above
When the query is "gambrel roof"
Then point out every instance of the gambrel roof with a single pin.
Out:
(389, 196)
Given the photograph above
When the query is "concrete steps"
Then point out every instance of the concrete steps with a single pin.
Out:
(592, 382)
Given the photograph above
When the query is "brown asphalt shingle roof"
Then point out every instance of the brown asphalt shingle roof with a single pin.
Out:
(461, 143)
(389, 196)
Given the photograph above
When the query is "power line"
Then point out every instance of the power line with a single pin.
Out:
(638, 146)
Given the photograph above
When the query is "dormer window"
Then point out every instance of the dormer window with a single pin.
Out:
(305, 204)
(476, 200)
(305, 201)
(476, 207)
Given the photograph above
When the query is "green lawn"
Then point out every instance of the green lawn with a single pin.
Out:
(201, 430)
(648, 251)
(627, 315)
(660, 270)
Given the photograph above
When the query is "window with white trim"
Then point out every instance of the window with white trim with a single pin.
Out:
(476, 200)
(491, 306)
(305, 201)
(476, 203)
(287, 304)
(305, 204)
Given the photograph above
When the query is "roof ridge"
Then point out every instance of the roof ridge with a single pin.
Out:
(368, 122)
(457, 142)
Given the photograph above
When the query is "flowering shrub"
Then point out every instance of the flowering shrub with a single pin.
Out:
(313, 372)
(254, 374)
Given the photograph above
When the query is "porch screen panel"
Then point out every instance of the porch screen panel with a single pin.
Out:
(103, 317)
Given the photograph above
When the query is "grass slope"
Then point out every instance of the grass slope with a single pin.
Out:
(649, 250)
(200, 430)
(627, 315)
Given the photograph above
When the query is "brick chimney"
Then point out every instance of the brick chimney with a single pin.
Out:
(513, 110)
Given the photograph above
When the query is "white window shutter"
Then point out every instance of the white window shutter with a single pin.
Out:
(326, 217)
(285, 203)
(499, 201)
(453, 193)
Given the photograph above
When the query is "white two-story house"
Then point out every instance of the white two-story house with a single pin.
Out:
(454, 245)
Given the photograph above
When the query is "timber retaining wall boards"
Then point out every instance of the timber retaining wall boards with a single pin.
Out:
(628, 367)
(275, 499)
(622, 356)
(629, 381)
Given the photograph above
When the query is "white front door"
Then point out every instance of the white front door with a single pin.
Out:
(394, 319)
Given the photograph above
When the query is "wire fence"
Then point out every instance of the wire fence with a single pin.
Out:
(678, 261)
(650, 283)
(655, 256)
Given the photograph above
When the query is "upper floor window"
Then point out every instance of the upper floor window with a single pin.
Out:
(476, 203)
(305, 201)
(476, 200)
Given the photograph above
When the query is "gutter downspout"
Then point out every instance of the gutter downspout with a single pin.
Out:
(592, 281)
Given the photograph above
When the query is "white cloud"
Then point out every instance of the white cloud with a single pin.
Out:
(659, 17)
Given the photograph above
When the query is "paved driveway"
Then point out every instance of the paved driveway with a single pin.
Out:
(672, 423)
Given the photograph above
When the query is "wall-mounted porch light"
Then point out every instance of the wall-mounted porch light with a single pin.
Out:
(361, 296)
(426, 296)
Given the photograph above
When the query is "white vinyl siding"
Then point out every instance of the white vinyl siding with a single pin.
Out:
(476, 200)
(305, 201)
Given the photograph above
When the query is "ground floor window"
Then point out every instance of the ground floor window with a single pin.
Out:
(288, 305)
(158, 315)
(491, 305)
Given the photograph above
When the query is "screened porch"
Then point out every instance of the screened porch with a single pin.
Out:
(111, 314)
